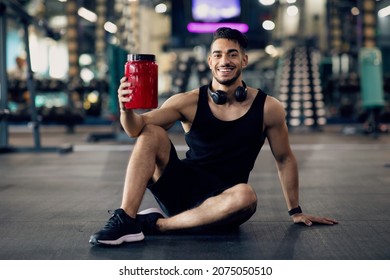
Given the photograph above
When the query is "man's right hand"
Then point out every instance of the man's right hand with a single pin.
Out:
(125, 94)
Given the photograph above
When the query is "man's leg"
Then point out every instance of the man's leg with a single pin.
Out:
(148, 159)
(232, 207)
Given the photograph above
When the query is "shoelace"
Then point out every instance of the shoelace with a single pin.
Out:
(115, 219)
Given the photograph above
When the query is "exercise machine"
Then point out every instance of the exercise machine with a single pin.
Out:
(26, 20)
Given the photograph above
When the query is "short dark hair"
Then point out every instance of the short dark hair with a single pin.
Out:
(231, 34)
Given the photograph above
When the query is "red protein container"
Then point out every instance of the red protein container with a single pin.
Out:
(141, 71)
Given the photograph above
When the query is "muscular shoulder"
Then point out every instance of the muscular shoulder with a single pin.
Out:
(184, 98)
(184, 103)
(181, 101)
(274, 113)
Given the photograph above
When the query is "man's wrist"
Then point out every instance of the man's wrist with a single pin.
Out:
(294, 211)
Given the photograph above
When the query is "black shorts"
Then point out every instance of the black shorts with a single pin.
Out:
(183, 185)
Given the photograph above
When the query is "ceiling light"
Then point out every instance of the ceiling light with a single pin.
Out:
(110, 27)
(268, 25)
(87, 14)
(384, 12)
(267, 2)
(161, 8)
(292, 10)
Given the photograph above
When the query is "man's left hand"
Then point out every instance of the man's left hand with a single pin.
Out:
(309, 220)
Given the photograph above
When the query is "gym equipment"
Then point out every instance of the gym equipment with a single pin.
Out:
(116, 57)
(371, 80)
(26, 20)
(300, 90)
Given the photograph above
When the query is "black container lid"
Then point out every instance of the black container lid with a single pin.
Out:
(136, 57)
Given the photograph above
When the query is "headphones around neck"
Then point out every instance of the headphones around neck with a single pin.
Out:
(220, 97)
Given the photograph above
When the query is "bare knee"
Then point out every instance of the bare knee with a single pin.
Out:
(153, 132)
(153, 137)
(246, 196)
(243, 198)
(241, 203)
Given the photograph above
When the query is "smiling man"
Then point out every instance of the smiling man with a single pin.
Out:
(225, 125)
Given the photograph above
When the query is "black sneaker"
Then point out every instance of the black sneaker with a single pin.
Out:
(147, 219)
(119, 228)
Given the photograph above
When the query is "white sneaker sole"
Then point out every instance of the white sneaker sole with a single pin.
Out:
(126, 238)
(151, 210)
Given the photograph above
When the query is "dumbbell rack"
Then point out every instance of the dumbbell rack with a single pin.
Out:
(299, 89)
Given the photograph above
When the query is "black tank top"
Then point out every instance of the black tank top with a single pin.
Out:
(226, 148)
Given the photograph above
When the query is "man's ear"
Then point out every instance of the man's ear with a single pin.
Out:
(209, 61)
(245, 61)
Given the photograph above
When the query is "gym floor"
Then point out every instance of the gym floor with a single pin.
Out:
(50, 202)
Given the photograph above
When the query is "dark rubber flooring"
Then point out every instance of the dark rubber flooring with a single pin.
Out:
(51, 203)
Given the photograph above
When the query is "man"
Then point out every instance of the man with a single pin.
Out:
(225, 126)
(20, 70)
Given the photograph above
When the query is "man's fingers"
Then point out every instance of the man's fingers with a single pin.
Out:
(309, 220)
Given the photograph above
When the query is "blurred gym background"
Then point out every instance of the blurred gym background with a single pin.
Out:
(327, 61)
